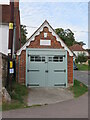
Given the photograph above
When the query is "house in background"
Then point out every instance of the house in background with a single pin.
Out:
(78, 49)
(88, 53)
(4, 28)
(4, 34)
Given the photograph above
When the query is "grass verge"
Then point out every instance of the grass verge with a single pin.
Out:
(78, 88)
(83, 67)
(18, 96)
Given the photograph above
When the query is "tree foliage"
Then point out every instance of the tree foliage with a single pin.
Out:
(23, 34)
(81, 43)
(82, 58)
(67, 36)
(89, 62)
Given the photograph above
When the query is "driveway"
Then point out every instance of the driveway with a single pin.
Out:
(42, 96)
(82, 76)
(76, 108)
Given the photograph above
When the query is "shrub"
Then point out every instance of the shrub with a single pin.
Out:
(82, 58)
(89, 62)
(76, 60)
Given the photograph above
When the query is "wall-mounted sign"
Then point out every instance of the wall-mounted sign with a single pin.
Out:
(10, 25)
(11, 71)
(11, 64)
(45, 42)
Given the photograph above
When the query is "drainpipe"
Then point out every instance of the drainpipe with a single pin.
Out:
(18, 66)
(14, 38)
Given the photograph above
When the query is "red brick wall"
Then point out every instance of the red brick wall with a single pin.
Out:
(54, 42)
(36, 44)
(21, 69)
(70, 68)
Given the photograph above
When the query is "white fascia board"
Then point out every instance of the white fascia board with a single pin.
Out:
(32, 38)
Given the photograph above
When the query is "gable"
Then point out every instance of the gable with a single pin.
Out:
(38, 32)
(45, 42)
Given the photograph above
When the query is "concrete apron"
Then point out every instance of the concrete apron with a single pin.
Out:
(42, 96)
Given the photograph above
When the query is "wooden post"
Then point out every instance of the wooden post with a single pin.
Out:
(10, 45)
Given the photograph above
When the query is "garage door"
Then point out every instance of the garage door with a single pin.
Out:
(46, 68)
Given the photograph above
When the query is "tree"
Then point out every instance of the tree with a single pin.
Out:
(23, 34)
(66, 35)
(82, 58)
(81, 43)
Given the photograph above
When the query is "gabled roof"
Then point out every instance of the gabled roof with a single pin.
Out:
(77, 47)
(37, 32)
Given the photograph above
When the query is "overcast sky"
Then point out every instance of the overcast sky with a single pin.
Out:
(72, 15)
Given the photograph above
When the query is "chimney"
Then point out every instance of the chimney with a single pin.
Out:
(16, 3)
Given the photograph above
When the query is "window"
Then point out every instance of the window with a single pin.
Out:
(45, 35)
(43, 59)
(50, 59)
(56, 59)
(61, 59)
(32, 58)
(37, 58)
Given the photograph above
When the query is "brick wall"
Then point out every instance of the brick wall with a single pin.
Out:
(70, 68)
(21, 67)
(21, 70)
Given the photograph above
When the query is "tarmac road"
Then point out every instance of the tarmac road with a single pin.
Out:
(76, 108)
(82, 76)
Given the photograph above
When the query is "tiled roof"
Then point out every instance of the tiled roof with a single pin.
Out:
(77, 47)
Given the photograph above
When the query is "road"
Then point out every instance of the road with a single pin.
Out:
(76, 108)
(82, 76)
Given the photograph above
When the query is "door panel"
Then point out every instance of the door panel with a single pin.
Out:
(46, 69)
(36, 74)
(57, 71)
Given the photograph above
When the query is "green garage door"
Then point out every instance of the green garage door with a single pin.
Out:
(46, 68)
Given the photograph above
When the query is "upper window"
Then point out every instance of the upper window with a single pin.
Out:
(36, 58)
(45, 35)
(56, 59)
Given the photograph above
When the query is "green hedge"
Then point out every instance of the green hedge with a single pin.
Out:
(89, 62)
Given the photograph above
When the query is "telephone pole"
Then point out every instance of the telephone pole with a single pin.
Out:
(11, 25)
(10, 46)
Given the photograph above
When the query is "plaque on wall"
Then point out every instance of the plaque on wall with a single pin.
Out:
(45, 42)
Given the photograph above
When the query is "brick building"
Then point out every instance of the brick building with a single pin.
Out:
(45, 60)
(4, 35)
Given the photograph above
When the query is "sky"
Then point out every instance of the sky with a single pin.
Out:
(72, 15)
(67, 14)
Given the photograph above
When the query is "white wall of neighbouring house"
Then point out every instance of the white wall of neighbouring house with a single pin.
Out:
(79, 52)
(4, 36)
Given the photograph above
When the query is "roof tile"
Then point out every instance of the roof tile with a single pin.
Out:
(77, 47)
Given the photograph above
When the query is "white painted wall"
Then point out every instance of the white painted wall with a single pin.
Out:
(4, 35)
(79, 52)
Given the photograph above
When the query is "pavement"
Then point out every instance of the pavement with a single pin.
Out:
(42, 96)
(75, 108)
(82, 76)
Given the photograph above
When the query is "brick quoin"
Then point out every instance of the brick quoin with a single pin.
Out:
(21, 69)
